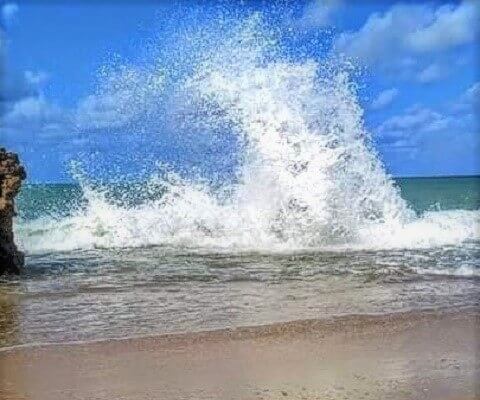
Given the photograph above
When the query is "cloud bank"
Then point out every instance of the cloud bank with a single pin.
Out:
(384, 99)
(413, 37)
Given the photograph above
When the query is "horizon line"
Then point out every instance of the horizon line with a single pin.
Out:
(477, 175)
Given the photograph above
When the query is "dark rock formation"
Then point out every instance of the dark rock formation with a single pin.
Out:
(11, 176)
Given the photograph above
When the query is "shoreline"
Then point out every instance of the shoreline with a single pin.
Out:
(295, 326)
(401, 356)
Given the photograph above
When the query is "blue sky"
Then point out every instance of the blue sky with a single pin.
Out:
(419, 87)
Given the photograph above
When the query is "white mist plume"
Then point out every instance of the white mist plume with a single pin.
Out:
(308, 179)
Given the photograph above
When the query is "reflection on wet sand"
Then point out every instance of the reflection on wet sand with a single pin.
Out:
(9, 325)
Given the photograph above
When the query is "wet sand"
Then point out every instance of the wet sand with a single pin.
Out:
(428, 355)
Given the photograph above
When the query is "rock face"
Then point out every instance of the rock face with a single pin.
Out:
(11, 176)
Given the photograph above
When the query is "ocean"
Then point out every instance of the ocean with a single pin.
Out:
(103, 289)
(291, 216)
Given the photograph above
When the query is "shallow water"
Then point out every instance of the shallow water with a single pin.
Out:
(292, 216)
(107, 293)
(98, 293)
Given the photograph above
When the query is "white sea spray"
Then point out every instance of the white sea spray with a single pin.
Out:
(307, 176)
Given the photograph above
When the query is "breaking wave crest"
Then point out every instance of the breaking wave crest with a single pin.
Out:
(307, 177)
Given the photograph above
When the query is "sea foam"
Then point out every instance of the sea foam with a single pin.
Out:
(307, 176)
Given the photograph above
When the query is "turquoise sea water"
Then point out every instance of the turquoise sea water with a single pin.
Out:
(263, 200)
(442, 193)
(74, 293)
(422, 194)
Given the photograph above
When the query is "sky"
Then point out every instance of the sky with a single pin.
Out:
(419, 85)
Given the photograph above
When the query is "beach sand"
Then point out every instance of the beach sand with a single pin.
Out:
(418, 355)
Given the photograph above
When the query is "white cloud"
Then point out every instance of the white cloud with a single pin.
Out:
(9, 12)
(469, 101)
(383, 34)
(472, 94)
(419, 124)
(36, 79)
(126, 95)
(35, 118)
(318, 13)
(420, 33)
(430, 137)
(19, 90)
(432, 73)
(411, 124)
(384, 98)
(30, 111)
(104, 111)
(451, 26)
